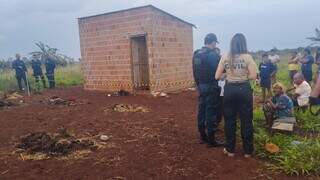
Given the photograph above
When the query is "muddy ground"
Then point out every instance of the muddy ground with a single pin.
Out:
(159, 144)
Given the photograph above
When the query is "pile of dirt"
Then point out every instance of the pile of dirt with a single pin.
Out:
(4, 103)
(9, 100)
(55, 100)
(60, 144)
(129, 108)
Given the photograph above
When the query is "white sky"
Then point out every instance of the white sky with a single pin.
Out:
(266, 23)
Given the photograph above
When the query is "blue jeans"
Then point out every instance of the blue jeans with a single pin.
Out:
(208, 107)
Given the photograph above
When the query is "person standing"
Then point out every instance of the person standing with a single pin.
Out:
(21, 70)
(238, 99)
(293, 64)
(306, 65)
(50, 67)
(275, 59)
(37, 73)
(267, 70)
(317, 62)
(205, 62)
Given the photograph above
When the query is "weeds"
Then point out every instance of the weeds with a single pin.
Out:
(65, 76)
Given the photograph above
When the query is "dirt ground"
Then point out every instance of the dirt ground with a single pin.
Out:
(159, 144)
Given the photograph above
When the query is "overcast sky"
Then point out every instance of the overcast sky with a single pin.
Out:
(266, 23)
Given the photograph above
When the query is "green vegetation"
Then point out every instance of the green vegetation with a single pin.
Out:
(65, 76)
(298, 154)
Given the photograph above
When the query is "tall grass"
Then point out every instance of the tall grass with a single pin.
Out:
(65, 76)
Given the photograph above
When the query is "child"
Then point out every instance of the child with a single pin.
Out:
(280, 106)
(267, 70)
(293, 65)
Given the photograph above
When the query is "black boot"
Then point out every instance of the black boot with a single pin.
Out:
(212, 142)
(203, 136)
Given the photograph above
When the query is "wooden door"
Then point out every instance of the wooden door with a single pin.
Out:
(140, 65)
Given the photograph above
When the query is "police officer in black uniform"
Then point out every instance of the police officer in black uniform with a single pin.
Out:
(205, 63)
(50, 67)
(19, 66)
(37, 72)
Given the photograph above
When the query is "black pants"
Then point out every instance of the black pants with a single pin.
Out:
(238, 100)
(21, 77)
(51, 80)
(220, 111)
(208, 108)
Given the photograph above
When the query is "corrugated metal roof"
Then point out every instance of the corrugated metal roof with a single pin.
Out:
(141, 7)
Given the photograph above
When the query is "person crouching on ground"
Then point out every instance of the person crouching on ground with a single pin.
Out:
(205, 63)
(302, 91)
(267, 71)
(279, 106)
(293, 65)
(238, 98)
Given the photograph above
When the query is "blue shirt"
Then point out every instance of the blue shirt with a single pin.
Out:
(308, 65)
(284, 106)
(266, 69)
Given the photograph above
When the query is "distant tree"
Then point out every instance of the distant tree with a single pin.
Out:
(315, 39)
(45, 50)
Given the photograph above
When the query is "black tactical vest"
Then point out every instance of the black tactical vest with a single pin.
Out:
(203, 70)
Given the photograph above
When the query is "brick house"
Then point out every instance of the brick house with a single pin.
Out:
(142, 48)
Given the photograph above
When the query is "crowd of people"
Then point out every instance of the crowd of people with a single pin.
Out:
(21, 72)
(223, 83)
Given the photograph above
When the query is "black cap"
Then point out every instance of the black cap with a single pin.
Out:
(210, 38)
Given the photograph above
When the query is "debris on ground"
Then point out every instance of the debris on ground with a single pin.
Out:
(55, 100)
(10, 100)
(14, 96)
(4, 103)
(296, 142)
(129, 108)
(105, 137)
(44, 145)
(159, 94)
(119, 93)
(272, 148)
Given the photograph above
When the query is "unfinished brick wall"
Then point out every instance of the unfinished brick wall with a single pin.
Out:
(106, 51)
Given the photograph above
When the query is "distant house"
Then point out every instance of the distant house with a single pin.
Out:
(142, 48)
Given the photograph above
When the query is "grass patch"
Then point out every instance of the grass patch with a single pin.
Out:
(65, 76)
(298, 155)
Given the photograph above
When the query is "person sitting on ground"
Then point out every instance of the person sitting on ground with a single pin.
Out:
(267, 70)
(306, 65)
(302, 91)
(279, 106)
(293, 65)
